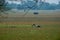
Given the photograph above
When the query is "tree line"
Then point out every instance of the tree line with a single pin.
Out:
(32, 5)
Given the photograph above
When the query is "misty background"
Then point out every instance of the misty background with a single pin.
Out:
(31, 4)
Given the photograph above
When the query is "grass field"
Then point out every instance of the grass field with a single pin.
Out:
(21, 28)
(50, 31)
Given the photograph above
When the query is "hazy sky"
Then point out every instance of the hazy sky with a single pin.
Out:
(53, 1)
(49, 1)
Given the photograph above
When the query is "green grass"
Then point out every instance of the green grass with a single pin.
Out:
(27, 32)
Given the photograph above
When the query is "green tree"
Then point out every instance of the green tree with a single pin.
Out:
(2, 10)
